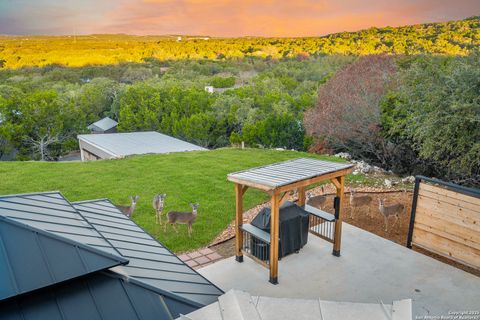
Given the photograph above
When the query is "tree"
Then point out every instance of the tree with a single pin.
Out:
(436, 110)
(43, 121)
(347, 116)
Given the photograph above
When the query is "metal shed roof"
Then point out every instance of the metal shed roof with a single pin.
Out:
(103, 124)
(103, 295)
(54, 259)
(287, 172)
(118, 145)
(150, 261)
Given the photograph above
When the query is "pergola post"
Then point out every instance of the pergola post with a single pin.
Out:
(301, 196)
(238, 222)
(338, 223)
(274, 237)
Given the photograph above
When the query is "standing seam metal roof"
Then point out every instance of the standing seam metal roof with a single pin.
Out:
(150, 261)
(103, 295)
(99, 224)
(54, 259)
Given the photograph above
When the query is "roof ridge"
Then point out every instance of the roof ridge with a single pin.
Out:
(30, 194)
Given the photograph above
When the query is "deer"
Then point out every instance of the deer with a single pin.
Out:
(158, 203)
(392, 210)
(179, 217)
(357, 201)
(128, 210)
(317, 201)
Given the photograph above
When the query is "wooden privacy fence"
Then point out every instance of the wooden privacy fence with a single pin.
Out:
(445, 220)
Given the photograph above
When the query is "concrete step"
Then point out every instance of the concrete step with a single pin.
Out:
(238, 305)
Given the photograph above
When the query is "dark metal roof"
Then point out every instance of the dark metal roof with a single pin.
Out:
(287, 172)
(103, 295)
(150, 261)
(50, 211)
(31, 258)
(100, 225)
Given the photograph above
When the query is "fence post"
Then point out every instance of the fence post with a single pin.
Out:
(414, 210)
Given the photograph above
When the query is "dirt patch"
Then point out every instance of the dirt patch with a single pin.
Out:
(367, 218)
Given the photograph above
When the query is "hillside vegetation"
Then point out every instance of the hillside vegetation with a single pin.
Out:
(404, 98)
(451, 38)
(184, 177)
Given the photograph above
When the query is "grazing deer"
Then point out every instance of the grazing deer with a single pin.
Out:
(317, 201)
(387, 211)
(357, 201)
(128, 210)
(187, 218)
(158, 202)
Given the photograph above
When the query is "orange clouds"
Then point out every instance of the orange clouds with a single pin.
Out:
(228, 17)
(276, 18)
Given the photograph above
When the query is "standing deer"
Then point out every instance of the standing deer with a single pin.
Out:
(357, 201)
(187, 218)
(158, 202)
(128, 210)
(387, 211)
(317, 201)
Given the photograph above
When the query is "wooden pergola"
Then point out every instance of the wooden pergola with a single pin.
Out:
(278, 180)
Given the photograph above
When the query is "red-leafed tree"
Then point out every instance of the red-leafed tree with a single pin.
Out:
(347, 115)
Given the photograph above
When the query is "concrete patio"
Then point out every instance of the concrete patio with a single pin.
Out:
(370, 270)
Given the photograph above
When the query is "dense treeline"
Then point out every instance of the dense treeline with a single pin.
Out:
(409, 114)
(43, 109)
(452, 38)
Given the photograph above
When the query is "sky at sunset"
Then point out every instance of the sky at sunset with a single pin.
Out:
(222, 17)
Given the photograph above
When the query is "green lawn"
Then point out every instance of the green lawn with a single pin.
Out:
(184, 177)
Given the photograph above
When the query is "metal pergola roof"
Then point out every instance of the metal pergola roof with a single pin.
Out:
(96, 230)
(285, 173)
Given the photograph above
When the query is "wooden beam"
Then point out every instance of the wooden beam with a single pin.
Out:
(301, 196)
(254, 185)
(244, 189)
(274, 237)
(338, 222)
(283, 199)
(310, 181)
(239, 190)
(335, 183)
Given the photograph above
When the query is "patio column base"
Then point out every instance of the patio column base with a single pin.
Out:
(273, 280)
(336, 253)
(239, 258)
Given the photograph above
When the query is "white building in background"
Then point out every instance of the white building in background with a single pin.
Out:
(120, 145)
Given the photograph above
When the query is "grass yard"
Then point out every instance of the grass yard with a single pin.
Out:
(184, 177)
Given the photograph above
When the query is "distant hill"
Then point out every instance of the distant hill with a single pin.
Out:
(448, 38)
